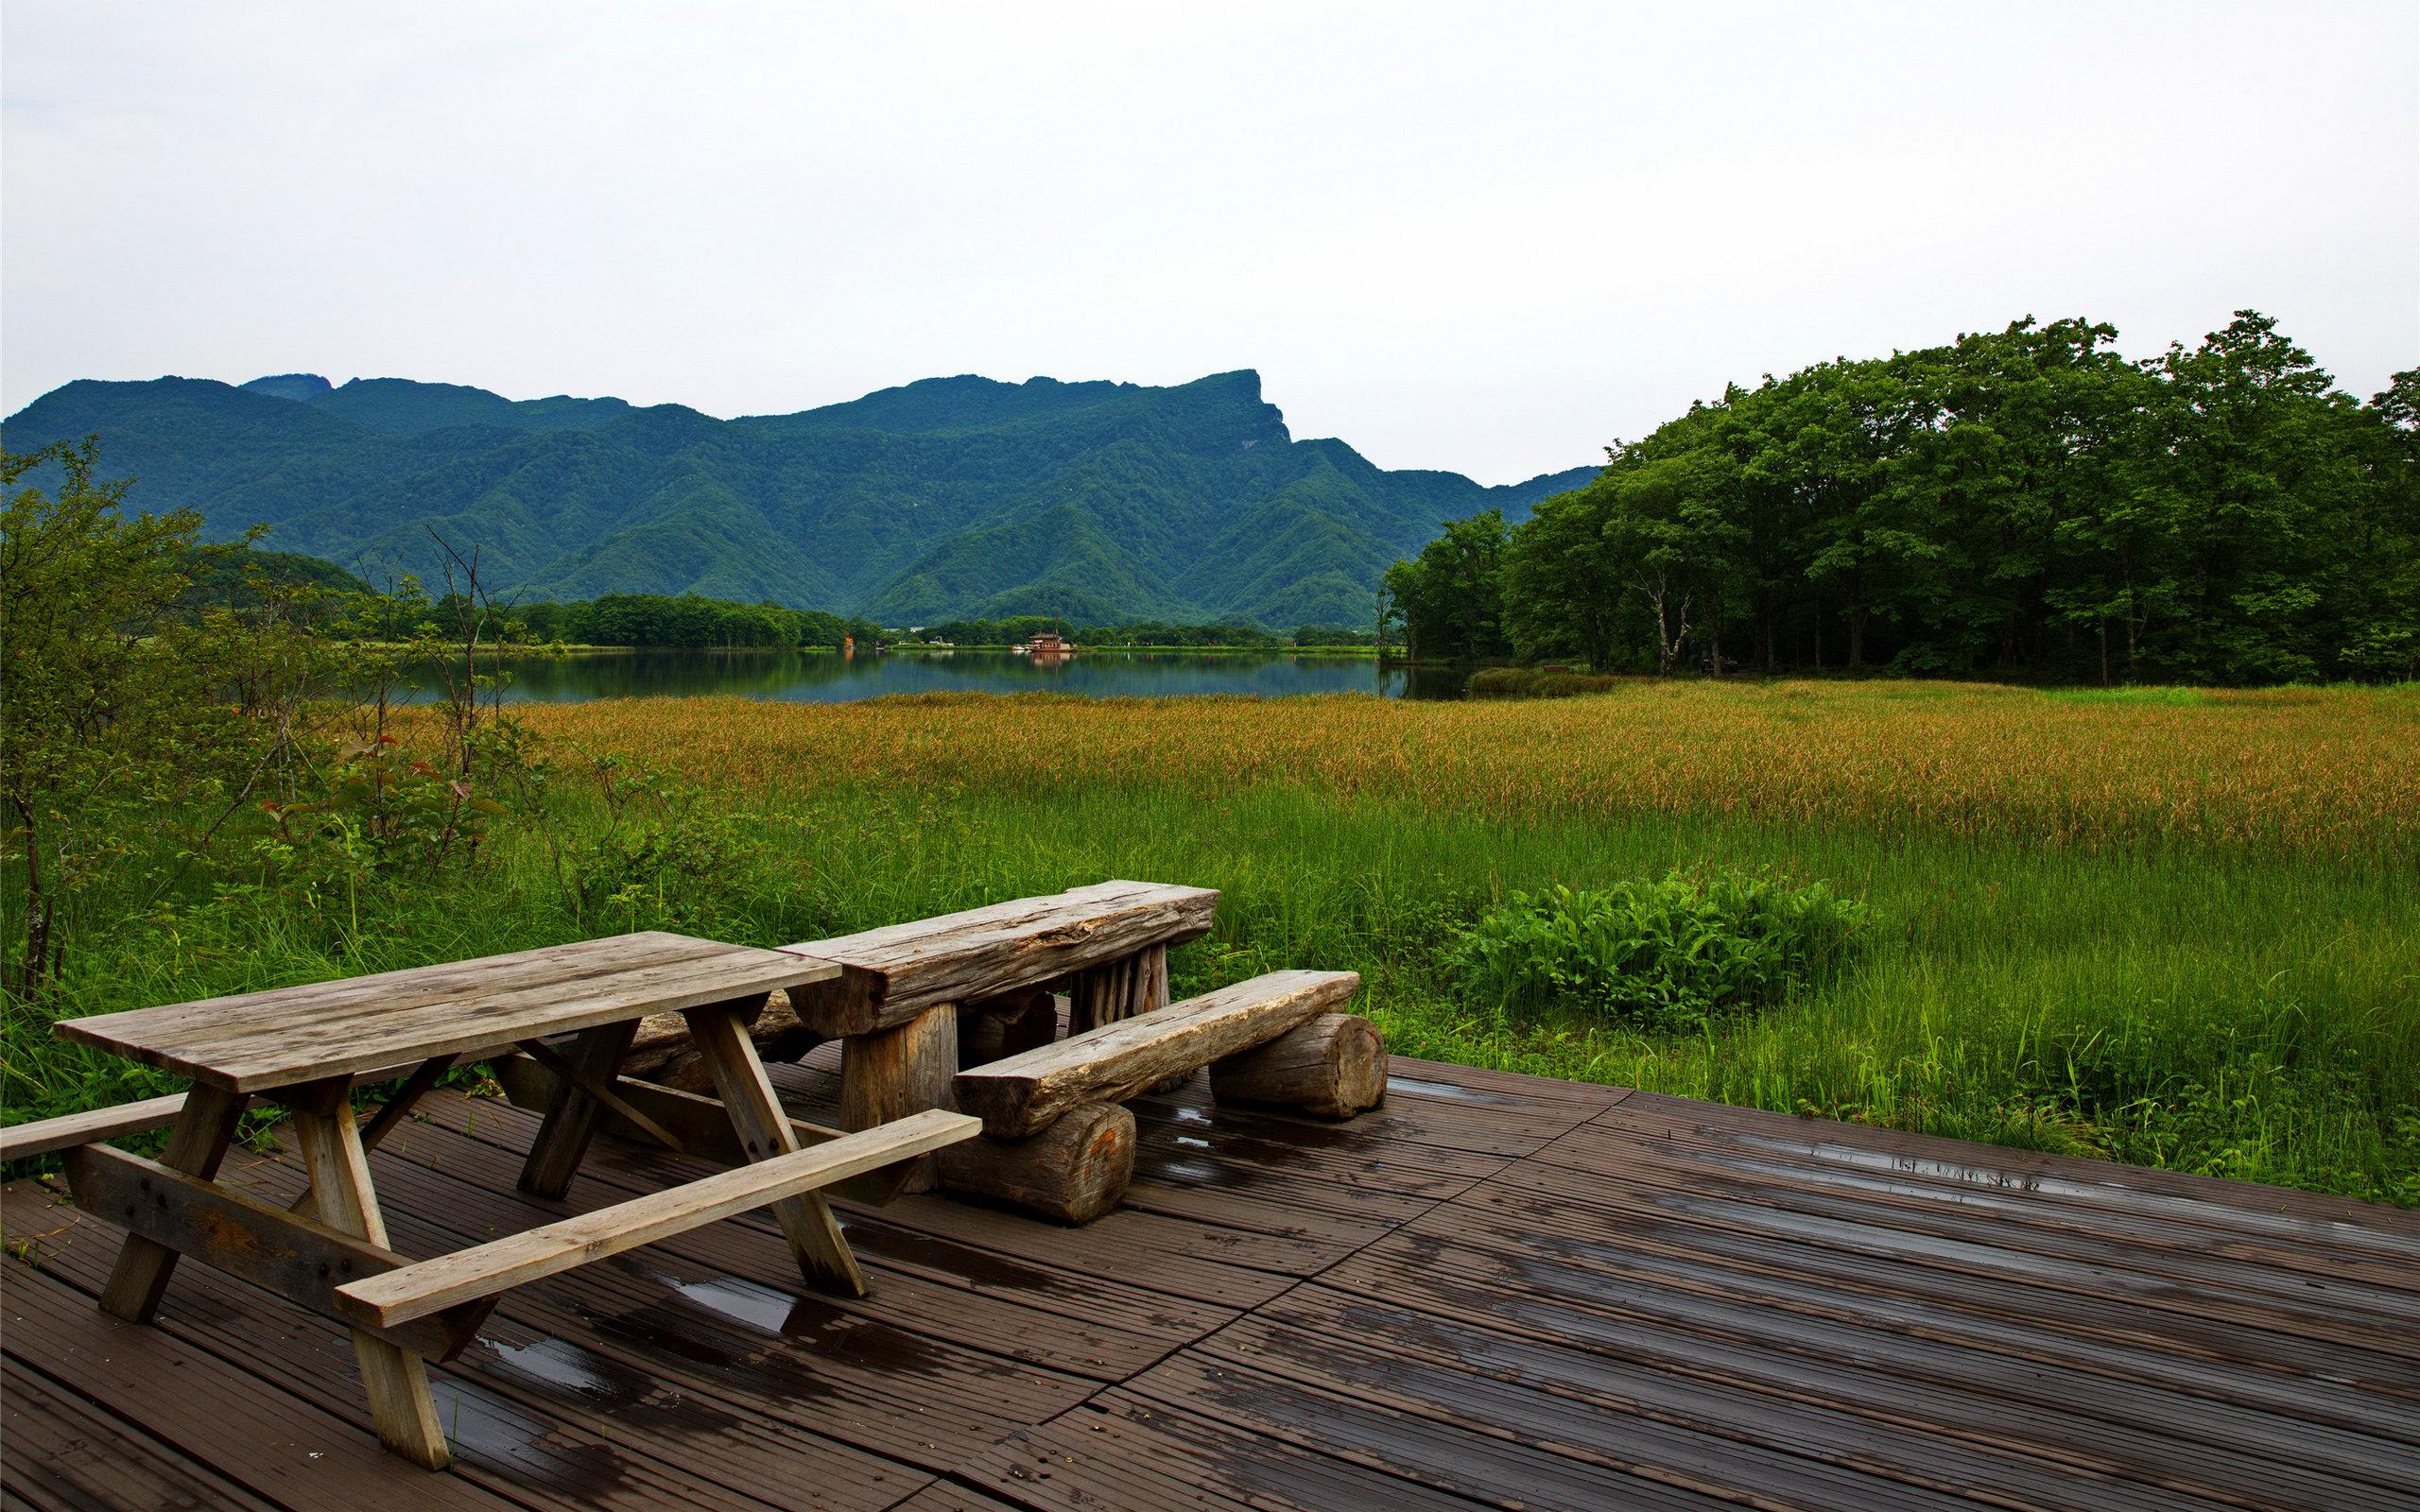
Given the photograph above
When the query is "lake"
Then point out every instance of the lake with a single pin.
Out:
(821, 677)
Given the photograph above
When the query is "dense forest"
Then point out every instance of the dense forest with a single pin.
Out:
(1020, 628)
(2024, 503)
(684, 620)
(949, 498)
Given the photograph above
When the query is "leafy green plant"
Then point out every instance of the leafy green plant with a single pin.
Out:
(668, 855)
(1669, 953)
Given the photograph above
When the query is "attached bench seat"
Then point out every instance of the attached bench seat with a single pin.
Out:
(1025, 1094)
(23, 1142)
(431, 1286)
(1057, 1141)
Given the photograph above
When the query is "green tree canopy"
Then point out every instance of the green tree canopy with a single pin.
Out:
(2025, 502)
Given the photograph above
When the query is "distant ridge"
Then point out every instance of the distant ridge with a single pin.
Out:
(943, 498)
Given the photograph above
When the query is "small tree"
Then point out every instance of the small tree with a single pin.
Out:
(104, 709)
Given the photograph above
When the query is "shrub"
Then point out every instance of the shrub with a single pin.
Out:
(1667, 954)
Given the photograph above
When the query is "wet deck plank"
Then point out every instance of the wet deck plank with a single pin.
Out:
(1493, 1292)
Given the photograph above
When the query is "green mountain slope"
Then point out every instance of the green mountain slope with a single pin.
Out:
(945, 498)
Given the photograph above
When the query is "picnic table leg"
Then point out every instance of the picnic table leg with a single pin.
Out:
(562, 1139)
(892, 1072)
(196, 1145)
(401, 1405)
(720, 1032)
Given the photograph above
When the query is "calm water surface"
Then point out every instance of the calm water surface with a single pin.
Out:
(805, 676)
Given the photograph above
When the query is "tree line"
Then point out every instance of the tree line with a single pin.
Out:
(1018, 630)
(2024, 503)
(686, 620)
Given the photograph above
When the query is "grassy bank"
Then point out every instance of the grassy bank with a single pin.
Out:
(2179, 932)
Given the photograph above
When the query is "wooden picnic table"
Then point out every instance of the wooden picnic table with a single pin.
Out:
(572, 1009)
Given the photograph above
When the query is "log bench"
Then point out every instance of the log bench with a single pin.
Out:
(1055, 1139)
(911, 1003)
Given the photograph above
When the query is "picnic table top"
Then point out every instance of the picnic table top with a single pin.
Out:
(255, 1042)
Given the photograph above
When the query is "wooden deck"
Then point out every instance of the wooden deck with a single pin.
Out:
(1496, 1292)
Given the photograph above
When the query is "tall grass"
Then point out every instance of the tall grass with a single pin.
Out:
(2171, 968)
(2317, 773)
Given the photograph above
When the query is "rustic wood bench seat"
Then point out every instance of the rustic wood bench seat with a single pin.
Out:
(1025, 1094)
(430, 1286)
(48, 1136)
(1056, 1141)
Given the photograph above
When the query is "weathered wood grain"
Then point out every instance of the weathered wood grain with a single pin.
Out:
(1704, 1308)
(757, 1116)
(205, 1127)
(1119, 989)
(432, 1286)
(21, 1141)
(571, 1120)
(294, 1257)
(890, 974)
(1072, 1172)
(399, 1104)
(400, 1406)
(892, 1072)
(262, 1041)
(1335, 1066)
(1022, 1094)
(598, 1088)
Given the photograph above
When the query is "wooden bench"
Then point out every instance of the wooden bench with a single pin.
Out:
(1053, 1129)
(409, 1293)
(572, 1011)
(23, 1142)
(903, 992)
(897, 999)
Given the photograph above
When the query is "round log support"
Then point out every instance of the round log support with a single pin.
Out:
(997, 1028)
(892, 1072)
(1335, 1066)
(1072, 1172)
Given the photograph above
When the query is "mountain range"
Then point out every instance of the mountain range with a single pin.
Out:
(947, 498)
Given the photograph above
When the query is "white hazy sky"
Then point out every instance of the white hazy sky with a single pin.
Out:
(1485, 237)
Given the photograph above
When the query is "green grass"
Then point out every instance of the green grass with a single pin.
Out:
(2245, 1015)
(2166, 697)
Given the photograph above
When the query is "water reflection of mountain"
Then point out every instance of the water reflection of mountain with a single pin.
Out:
(821, 678)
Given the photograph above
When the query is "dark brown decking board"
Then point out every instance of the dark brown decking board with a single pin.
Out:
(66, 1454)
(1493, 1292)
(2365, 1275)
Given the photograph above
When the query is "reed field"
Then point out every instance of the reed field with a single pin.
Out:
(2305, 773)
(2173, 927)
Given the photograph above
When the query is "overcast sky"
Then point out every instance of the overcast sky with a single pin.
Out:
(1487, 237)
